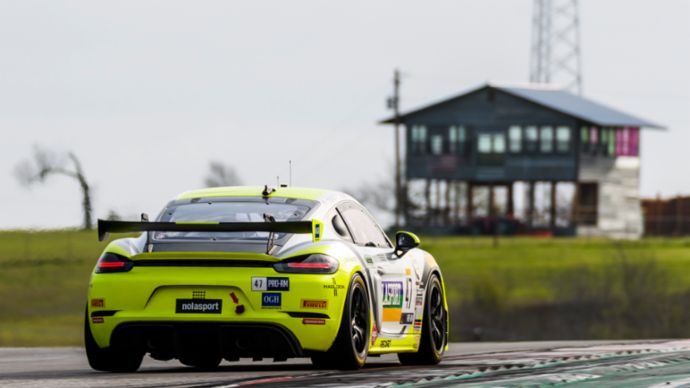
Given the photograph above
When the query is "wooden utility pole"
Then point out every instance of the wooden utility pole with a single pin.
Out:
(394, 104)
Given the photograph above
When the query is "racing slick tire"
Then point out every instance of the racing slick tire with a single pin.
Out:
(109, 359)
(351, 346)
(434, 335)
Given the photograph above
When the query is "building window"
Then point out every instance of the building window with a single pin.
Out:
(452, 139)
(419, 139)
(546, 139)
(515, 139)
(563, 139)
(484, 143)
(531, 138)
(491, 143)
(584, 139)
(456, 139)
(437, 144)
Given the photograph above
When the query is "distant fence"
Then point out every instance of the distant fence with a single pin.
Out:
(666, 217)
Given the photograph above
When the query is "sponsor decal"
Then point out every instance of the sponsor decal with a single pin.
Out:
(97, 320)
(406, 318)
(198, 306)
(270, 284)
(317, 231)
(385, 343)
(234, 298)
(408, 271)
(392, 314)
(369, 260)
(420, 301)
(374, 334)
(313, 321)
(335, 287)
(417, 324)
(392, 294)
(314, 304)
(270, 300)
(98, 303)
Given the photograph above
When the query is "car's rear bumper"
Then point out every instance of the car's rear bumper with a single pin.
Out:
(310, 311)
(167, 340)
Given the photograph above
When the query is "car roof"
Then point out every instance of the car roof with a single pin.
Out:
(256, 191)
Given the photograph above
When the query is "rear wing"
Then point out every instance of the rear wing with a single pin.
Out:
(315, 227)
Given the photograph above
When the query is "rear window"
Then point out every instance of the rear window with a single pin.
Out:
(225, 210)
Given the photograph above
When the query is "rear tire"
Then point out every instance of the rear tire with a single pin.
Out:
(109, 359)
(351, 346)
(434, 335)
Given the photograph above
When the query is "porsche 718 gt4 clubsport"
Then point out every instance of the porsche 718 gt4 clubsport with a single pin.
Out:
(252, 272)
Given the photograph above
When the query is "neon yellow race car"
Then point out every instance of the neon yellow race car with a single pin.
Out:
(251, 272)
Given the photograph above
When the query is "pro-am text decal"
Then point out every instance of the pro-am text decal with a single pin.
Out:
(270, 284)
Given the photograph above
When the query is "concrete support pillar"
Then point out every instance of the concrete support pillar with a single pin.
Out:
(437, 207)
(492, 201)
(447, 207)
(427, 201)
(552, 210)
(458, 194)
(510, 201)
(574, 210)
(530, 203)
(469, 203)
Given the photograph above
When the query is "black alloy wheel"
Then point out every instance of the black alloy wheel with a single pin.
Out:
(351, 346)
(434, 336)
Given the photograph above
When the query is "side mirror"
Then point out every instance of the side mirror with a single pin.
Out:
(144, 217)
(404, 241)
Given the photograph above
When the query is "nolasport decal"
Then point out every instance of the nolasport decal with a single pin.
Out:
(270, 284)
(392, 294)
(198, 306)
(270, 300)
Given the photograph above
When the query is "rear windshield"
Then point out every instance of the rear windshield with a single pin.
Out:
(231, 210)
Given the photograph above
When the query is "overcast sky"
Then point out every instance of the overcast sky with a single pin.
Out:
(147, 92)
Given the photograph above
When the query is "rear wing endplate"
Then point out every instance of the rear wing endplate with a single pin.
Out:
(315, 227)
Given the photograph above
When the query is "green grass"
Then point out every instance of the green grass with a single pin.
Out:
(43, 281)
(527, 267)
(44, 276)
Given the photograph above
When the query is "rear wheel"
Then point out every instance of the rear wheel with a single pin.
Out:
(109, 359)
(434, 328)
(351, 346)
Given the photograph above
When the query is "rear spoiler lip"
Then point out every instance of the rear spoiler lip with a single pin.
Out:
(315, 227)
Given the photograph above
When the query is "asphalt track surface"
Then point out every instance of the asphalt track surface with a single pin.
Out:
(563, 363)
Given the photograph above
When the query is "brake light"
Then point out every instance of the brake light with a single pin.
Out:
(309, 265)
(110, 262)
(316, 264)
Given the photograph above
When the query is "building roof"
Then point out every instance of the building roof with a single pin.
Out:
(559, 100)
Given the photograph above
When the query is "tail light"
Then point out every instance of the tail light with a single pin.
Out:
(316, 263)
(110, 262)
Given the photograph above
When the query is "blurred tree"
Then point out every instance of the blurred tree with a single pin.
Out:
(113, 216)
(220, 175)
(45, 163)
